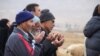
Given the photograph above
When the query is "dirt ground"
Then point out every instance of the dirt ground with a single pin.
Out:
(70, 38)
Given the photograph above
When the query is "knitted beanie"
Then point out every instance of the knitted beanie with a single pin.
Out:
(46, 15)
(23, 16)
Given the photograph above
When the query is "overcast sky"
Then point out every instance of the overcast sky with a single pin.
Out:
(65, 11)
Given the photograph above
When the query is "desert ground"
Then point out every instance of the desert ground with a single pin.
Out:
(70, 39)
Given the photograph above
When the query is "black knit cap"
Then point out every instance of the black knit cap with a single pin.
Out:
(46, 15)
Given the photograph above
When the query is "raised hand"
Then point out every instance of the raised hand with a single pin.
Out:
(52, 36)
(39, 37)
(59, 40)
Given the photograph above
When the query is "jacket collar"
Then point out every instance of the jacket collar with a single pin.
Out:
(27, 36)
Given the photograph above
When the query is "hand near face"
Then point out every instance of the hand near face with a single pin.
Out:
(39, 37)
(51, 37)
(59, 40)
(56, 38)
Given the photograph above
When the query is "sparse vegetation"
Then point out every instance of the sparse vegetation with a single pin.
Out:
(70, 38)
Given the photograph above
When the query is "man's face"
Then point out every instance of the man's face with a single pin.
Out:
(37, 11)
(49, 24)
(37, 26)
(27, 26)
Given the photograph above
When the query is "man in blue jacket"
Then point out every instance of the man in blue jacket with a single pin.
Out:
(19, 42)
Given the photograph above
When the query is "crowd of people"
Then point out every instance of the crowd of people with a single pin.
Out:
(31, 33)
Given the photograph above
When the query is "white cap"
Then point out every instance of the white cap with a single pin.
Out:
(36, 19)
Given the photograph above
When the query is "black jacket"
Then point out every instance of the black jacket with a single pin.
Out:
(92, 32)
(4, 33)
(50, 49)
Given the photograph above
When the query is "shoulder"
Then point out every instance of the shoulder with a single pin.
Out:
(94, 20)
(13, 38)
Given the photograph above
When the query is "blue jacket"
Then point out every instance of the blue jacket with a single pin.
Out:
(4, 34)
(92, 32)
(16, 47)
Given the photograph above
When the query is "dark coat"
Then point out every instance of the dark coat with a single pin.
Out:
(4, 33)
(50, 49)
(92, 32)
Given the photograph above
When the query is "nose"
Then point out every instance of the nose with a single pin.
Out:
(53, 25)
(33, 24)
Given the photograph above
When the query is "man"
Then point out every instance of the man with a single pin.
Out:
(47, 23)
(19, 41)
(35, 10)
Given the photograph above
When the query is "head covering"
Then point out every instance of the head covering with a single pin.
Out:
(3, 22)
(23, 16)
(36, 19)
(46, 15)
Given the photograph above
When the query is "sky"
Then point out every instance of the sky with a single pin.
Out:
(65, 11)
